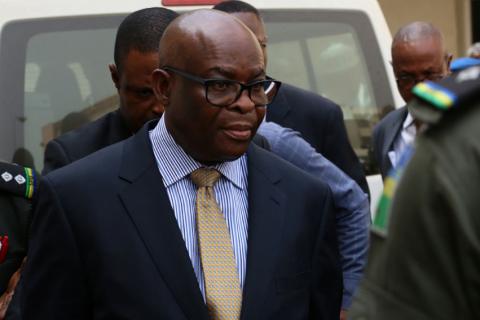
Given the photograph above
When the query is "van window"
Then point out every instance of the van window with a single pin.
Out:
(56, 74)
(61, 69)
(336, 55)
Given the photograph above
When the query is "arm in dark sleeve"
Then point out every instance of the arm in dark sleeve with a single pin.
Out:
(339, 151)
(54, 284)
(55, 157)
(326, 270)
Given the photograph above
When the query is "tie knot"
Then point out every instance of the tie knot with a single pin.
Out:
(205, 177)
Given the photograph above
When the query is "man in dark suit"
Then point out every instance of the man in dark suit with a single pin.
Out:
(132, 78)
(117, 236)
(418, 54)
(319, 120)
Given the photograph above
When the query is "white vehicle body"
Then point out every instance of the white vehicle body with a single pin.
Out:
(54, 56)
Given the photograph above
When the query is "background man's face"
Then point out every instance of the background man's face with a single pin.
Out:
(134, 83)
(417, 61)
(211, 133)
(257, 27)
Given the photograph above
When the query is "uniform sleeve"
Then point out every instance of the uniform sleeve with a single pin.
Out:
(426, 267)
(55, 157)
(54, 285)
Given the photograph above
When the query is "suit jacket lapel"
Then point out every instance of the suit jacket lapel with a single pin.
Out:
(148, 206)
(265, 221)
(118, 130)
(279, 108)
(391, 135)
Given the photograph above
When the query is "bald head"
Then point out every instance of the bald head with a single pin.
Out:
(418, 54)
(195, 33)
(417, 31)
(208, 58)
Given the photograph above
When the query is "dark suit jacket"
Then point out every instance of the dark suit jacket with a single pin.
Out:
(105, 131)
(384, 135)
(320, 121)
(106, 245)
(76, 144)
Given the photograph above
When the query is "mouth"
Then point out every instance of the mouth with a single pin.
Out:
(239, 132)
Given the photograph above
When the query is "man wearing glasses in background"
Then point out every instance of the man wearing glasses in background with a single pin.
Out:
(418, 54)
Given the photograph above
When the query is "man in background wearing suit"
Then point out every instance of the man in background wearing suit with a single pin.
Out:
(319, 120)
(418, 54)
(132, 78)
(125, 235)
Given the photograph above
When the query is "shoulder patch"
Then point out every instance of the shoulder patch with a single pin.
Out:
(17, 180)
(460, 88)
(435, 94)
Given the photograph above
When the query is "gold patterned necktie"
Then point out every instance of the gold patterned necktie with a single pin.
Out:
(222, 286)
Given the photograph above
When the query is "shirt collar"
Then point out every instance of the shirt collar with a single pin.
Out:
(175, 164)
(409, 121)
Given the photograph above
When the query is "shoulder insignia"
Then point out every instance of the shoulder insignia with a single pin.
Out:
(435, 94)
(17, 180)
(452, 91)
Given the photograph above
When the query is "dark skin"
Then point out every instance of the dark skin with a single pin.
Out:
(228, 50)
(420, 59)
(134, 86)
(256, 25)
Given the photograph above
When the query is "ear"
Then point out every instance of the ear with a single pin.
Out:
(162, 84)
(114, 74)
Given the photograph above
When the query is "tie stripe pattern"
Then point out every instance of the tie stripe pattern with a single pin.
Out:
(222, 287)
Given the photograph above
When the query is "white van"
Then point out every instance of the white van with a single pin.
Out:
(54, 56)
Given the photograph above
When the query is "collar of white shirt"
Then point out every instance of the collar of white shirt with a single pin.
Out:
(175, 164)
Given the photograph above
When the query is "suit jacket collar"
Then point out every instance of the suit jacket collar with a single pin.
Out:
(390, 135)
(266, 218)
(159, 229)
(396, 128)
(118, 130)
(148, 206)
(280, 107)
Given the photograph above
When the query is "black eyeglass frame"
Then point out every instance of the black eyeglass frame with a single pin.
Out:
(409, 80)
(249, 86)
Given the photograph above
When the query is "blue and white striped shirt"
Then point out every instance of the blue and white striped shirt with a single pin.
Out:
(175, 166)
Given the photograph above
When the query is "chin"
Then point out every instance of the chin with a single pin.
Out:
(232, 153)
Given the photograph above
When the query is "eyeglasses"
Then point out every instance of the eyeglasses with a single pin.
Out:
(224, 92)
(411, 80)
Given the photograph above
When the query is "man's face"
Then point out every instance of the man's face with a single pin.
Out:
(417, 61)
(256, 25)
(210, 133)
(134, 84)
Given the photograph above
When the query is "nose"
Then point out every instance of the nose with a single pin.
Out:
(244, 104)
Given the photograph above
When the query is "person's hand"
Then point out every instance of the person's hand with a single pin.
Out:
(343, 314)
(8, 294)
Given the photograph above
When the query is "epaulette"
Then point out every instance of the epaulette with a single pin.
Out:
(436, 98)
(17, 180)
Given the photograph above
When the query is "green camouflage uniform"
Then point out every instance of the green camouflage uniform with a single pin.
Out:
(424, 259)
